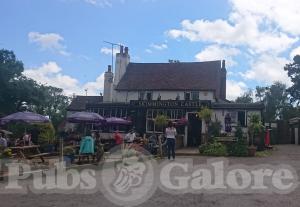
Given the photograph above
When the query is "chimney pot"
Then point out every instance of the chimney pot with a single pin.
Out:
(109, 68)
(121, 49)
(126, 50)
(223, 63)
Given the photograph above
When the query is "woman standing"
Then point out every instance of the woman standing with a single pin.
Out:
(171, 137)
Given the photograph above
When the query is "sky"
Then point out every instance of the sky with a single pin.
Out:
(61, 42)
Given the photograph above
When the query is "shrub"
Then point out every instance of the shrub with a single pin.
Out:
(7, 153)
(213, 149)
(46, 134)
(240, 148)
(214, 129)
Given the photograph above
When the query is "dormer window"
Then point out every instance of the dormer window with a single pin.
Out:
(195, 95)
(187, 96)
(141, 95)
(149, 96)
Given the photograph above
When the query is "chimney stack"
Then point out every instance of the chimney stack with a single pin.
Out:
(126, 50)
(121, 49)
(223, 64)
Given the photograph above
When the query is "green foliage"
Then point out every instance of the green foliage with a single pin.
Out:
(239, 148)
(255, 126)
(16, 88)
(245, 98)
(46, 132)
(214, 129)
(205, 114)
(161, 120)
(7, 153)
(213, 149)
(293, 70)
(46, 135)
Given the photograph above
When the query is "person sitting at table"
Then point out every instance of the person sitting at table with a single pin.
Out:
(118, 138)
(130, 137)
(87, 145)
(3, 141)
(27, 139)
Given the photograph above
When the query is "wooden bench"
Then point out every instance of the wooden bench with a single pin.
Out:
(41, 156)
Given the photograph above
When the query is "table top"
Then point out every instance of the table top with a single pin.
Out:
(26, 147)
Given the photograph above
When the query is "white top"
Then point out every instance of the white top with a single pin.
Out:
(171, 132)
(130, 137)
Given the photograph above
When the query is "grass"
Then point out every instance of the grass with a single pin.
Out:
(265, 153)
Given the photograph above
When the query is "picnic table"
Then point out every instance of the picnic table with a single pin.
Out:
(29, 152)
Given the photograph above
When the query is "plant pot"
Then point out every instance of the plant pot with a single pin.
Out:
(251, 151)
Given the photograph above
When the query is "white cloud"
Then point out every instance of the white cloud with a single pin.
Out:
(242, 32)
(51, 74)
(216, 52)
(234, 89)
(101, 3)
(148, 51)
(108, 51)
(49, 41)
(285, 14)
(268, 69)
(294, 52)
(265, 26)
(162, 46)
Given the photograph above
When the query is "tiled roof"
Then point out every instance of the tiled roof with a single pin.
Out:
(79, 102)
(172, 76)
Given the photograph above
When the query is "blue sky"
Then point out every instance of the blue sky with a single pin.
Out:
(61, 41)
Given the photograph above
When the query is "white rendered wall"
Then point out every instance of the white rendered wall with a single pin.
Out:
(127, 96)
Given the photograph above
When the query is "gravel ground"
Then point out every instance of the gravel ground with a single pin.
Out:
(285, 154)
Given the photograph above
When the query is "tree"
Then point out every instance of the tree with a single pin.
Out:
(293, 70)
(10, 70)
(260, 93)
(245, 98)
(16, 88)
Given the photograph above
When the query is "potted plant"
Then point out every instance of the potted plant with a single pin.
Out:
(205, 114)
(5, 156)
(255, 127)
(69, 155)
(160, 121)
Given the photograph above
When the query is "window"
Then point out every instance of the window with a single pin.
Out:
(141, 95)
(195, 95)
(187, 96)
(149, 96)
(242, 118)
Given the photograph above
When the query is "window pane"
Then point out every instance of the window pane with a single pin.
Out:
(141, 95)
(149, 96)
(187, 96)
(150, 125)
(241, 118)
(195, 95)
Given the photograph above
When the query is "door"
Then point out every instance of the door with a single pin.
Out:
(194, 130)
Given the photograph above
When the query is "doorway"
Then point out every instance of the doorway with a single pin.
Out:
(194, 130)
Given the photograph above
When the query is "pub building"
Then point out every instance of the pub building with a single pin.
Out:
(141, 91)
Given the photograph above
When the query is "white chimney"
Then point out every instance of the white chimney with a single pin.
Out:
(122, 60)
(108, 85)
